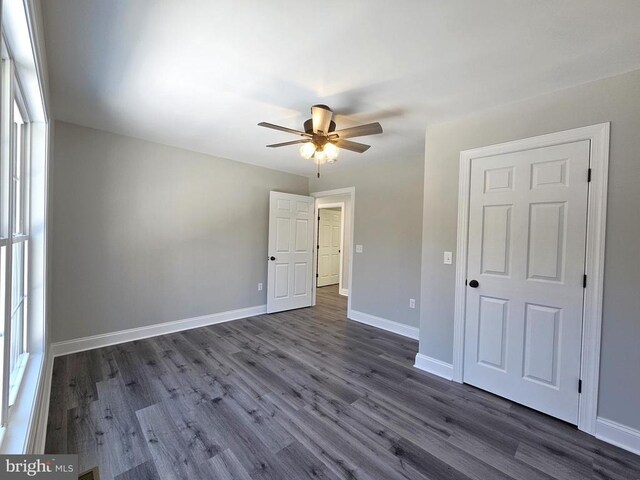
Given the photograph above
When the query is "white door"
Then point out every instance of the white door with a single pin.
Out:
(329, 239)
(289, 275)
(527, 230)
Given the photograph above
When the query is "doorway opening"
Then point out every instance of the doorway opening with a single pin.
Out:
(329, 244)
(334, 245)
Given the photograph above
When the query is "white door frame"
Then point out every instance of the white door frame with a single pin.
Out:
(351, 191)
(598, 135)
(339, 205)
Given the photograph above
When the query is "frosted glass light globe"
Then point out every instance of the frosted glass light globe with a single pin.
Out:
(307, 150)
(331, 151)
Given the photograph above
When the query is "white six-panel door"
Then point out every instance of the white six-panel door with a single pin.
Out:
(329, 238)
(289, 274)
(527, 230)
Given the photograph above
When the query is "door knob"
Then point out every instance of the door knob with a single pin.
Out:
(272, 258)
(474, 284)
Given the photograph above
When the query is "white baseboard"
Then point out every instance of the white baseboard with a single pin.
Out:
(383, 323)
(344, 292)
(434, 366)
(619, 435)
(97, 341)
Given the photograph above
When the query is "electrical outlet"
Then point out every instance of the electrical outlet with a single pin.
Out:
(448, 258)
(359, 249)
(260, 287)
(412, 303)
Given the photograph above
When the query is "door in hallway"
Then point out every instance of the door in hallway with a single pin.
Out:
(329, 246)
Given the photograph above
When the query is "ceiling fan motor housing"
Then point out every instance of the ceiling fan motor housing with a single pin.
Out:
(308, 126)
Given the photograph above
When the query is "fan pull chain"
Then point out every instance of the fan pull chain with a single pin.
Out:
(318, 169)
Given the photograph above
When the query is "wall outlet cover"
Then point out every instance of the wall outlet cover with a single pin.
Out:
(359, 249)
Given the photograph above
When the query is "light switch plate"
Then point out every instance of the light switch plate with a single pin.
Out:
(359, 249)
(448, 258)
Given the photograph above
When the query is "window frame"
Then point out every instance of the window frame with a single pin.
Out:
(13, 158)
(24, 422)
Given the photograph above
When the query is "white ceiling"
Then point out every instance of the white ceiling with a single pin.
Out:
(201, 74)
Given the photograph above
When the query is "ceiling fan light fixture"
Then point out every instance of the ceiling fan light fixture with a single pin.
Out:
(307, 150)
(320, 136)
(331, 151)
(320, 156)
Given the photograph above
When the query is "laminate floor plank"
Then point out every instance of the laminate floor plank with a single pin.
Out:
(303, 394)
(228, 467)
(494, 457)
(85, 437)
(300, 464)
(366, 432)
(211, 390)
(339, 437)
(122, 439)
(80, 380)
(567, 464)
(144, 471)
(172, 456)
(131, 369)
(313, 380)
(56, 440)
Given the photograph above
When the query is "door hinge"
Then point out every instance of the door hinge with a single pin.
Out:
(318, 247)
(580, 386)
(317, 275)
(466, 282)
(584, 281)
(318, 217)
(589, 175)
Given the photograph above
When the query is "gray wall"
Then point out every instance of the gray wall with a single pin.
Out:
(615, 99)
(146, 233)
(346, 254)
(387, 219)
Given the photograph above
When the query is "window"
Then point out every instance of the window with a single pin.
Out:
(24, 150)
(14, 235)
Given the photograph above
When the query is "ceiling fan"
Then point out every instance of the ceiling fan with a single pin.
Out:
(321, 141)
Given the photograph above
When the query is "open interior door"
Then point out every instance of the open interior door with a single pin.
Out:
(289, 275)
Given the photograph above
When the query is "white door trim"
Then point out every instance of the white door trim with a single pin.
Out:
(598, 135)
(328, 193)
(341, 206)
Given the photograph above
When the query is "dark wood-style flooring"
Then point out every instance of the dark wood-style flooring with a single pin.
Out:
(305, 394)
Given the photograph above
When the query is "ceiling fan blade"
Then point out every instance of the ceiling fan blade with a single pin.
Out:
(359, 131)
(284, 129)
(285, 144)
(353, 146)
(321, 116)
